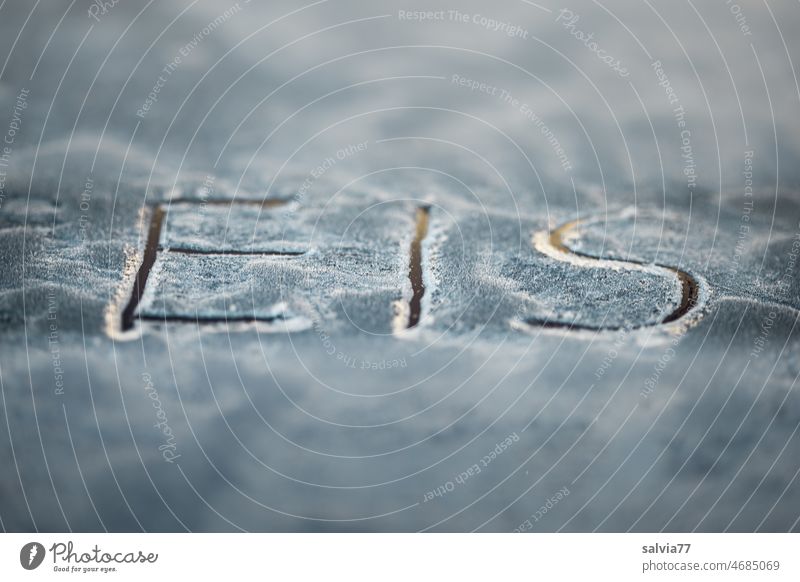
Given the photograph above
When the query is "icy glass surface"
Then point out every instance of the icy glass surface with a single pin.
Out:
(329, 412)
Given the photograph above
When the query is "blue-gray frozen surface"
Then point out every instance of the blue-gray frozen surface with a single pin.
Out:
(404, 272)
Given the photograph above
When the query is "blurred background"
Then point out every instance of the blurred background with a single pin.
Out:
(669, 131)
